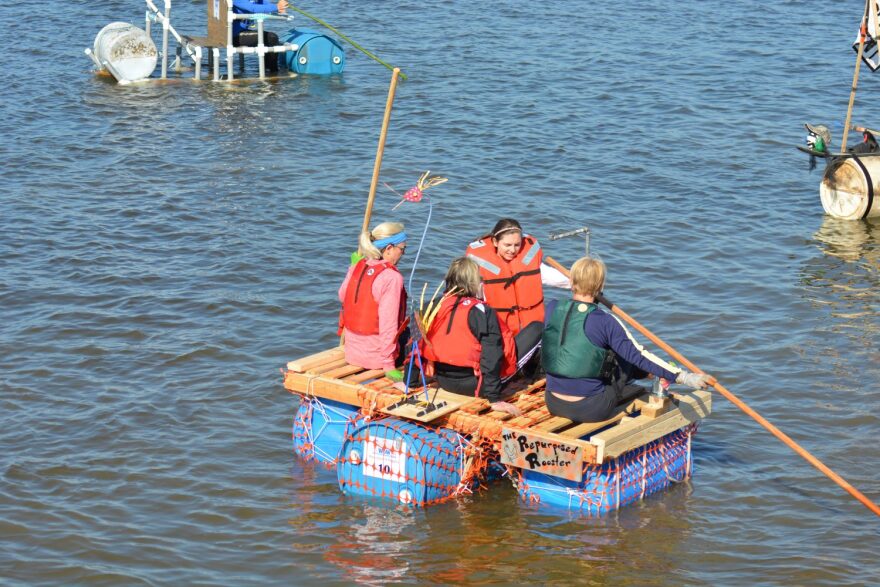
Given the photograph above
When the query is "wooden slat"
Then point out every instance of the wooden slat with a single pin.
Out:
(584, 429)
(343, 371)
(337, 390)
(553, 424)
(301, 365)
(642, 430)
(366, 375)
(332, 365)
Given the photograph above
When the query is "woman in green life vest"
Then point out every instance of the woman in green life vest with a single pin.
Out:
(590, 357)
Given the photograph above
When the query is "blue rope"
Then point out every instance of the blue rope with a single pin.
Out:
(421, 243)
(415, 355)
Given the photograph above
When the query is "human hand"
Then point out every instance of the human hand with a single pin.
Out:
(507, 408)
(282, 6)
(694, 380)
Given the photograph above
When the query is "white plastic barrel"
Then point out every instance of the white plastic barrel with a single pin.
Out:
(129, 51)
(851, 188)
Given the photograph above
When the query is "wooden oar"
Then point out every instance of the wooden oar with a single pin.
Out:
(381, 149)
(734, 400)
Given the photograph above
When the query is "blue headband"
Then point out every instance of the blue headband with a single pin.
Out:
(394, 239)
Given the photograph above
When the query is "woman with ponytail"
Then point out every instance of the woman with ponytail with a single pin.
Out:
(373, 300)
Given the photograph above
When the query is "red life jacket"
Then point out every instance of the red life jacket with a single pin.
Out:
(360, 310)
(513, 289)
(450, 340)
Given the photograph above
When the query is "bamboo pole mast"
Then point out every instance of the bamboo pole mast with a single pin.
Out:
(381, 149)
(734, 400)
(863, 30)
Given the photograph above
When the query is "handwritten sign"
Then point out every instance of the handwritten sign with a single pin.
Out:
(543, 454)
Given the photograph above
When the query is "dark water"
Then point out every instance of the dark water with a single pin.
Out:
(165, 248)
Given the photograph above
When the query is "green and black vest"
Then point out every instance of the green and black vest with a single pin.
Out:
(565, 349)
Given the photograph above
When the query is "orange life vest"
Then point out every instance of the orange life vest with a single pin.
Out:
(360, 310)
(450, 340)
(513, 289)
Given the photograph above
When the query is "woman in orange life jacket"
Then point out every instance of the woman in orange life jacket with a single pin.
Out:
(513, 274)
(590, 357)
(374, 301)
(466, 347)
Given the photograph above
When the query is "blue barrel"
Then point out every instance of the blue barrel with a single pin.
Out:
(618, 482)
(320, 428)
(317, 54)
(402, 461)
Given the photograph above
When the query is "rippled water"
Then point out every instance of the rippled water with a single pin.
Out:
(166, 247)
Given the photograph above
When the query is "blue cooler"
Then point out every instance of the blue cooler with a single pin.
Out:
(317, 54)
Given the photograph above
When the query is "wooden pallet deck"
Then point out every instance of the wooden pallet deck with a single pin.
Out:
(636, 422)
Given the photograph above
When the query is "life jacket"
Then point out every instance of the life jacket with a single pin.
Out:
(513, 289)
(449, 339)
(565, 349)
(360, 310)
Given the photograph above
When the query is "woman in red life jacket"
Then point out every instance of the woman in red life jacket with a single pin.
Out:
(374, 300)
(513, 275)
(467, 348)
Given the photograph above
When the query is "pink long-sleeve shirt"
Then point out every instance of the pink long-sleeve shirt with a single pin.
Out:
(376, 351)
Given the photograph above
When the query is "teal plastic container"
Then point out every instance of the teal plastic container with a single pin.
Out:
(317, 54)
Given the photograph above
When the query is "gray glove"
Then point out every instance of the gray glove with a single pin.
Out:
(694, 380)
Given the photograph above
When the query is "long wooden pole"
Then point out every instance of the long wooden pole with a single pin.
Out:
(735, 400)
(863, 30)
(381, 149)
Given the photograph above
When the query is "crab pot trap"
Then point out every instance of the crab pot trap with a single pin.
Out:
(432, 445)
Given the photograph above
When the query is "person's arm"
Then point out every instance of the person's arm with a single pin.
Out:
(255, 8)
(345, 284)
(387, 289)
(607, 331)
(483, 323)
(552, 277)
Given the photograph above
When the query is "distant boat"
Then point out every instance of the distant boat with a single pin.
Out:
(851, 181)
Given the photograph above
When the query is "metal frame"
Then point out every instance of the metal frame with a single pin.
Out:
(195, 51)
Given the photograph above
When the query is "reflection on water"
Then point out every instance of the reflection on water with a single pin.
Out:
(847, 275)
(846, 279)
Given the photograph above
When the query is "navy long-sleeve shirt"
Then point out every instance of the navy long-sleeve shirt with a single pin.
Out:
(604, 331)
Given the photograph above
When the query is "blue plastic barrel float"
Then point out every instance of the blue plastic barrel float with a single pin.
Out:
(616, 482)
(320, 428)
(403, 461)
(317, 54)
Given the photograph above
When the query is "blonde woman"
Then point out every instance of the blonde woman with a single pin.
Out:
(589, 356)
(468, 349)
(374, 301)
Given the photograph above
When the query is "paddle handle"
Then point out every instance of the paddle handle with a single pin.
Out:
(733, 399)
(381, 149)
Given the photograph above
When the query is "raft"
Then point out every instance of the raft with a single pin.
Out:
(432, 445)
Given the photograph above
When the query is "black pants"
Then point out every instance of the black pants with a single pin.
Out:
(270, 39)
(462, 380)
(596, 408)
